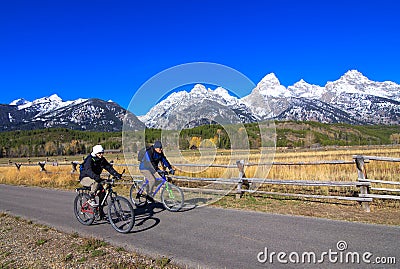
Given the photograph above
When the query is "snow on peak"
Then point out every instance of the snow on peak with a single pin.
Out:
(306, 90)
(353, 73)
(55, 98)
(301, 83)
(354, 76)
(179, 101)
(199, 89)
(48, 99)
(354, 82)
(18, 102)
(270, 86)
(222, 92)
(270, 77)
(43, 104)
(46, 104)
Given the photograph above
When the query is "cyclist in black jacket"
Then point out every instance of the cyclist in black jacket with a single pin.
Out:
(89, 176)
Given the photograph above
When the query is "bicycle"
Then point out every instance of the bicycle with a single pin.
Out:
(171, 195)
(120, 213)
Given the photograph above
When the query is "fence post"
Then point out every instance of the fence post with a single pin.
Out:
(242, 182)
(74, 165)
(362, 174)
(18, 165)
(42, 164)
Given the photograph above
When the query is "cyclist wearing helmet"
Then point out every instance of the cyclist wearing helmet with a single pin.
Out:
(89, 176)
(149, 165)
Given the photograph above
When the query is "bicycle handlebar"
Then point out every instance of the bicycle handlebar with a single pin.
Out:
(112, 179)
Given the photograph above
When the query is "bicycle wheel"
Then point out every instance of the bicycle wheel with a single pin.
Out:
(138, 199)
(121, 214)
(83, 211)
(172, 197)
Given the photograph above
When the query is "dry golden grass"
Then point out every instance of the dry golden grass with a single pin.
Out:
(57, 177)
(61, 177)
(385, 212)
(331, 172)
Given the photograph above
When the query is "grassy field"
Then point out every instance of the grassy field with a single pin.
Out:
(382, 211)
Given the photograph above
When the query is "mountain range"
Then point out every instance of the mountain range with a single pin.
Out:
(353, 99)
(81, 114)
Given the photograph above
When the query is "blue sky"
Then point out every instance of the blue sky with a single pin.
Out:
(108, 49)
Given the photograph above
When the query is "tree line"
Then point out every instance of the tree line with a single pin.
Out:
(62, 141)
(54, 141)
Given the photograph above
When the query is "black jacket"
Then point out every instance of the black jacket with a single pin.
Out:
(93, 166)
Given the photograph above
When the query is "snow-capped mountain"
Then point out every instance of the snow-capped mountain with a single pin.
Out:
(200, 105)
(80, 114)
(353, 98)
(45, 104)
(353, 82)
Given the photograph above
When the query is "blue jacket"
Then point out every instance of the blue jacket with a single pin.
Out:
(152, 159)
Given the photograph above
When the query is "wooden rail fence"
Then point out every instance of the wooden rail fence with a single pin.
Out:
(379, 192)
(367, 189)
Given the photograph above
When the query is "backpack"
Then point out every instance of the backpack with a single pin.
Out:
(141, 153)
(82, 165)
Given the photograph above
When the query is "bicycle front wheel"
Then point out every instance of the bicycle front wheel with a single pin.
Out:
(121, 214)
(172, 197)
(138, 197)
(83, 211)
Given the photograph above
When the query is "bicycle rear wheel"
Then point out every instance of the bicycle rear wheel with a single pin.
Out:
(138, 197)
(83, 211)
(172, 197)
(121, 214)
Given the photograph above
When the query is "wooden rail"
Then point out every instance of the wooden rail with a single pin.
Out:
(362, 177)
(242, 184)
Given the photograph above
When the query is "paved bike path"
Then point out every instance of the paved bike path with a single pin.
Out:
(219, 238)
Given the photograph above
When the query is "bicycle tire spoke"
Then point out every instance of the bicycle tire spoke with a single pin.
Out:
(172, 197)
(83, 212)
(121, 215)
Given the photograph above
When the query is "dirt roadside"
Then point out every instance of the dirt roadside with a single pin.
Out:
(24, 244)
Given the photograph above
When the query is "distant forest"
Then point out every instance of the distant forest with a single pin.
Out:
(61, 141)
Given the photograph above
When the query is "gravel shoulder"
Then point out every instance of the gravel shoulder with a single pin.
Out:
(25, 244)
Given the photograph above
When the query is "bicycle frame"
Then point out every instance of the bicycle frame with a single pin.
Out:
(163, 179)
(171, 195)
(108, 190)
